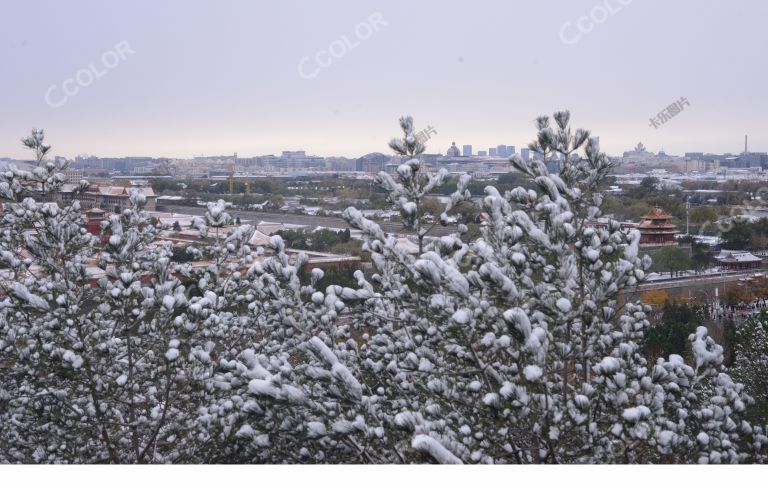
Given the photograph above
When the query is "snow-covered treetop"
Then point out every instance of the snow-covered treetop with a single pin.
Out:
(517, 347)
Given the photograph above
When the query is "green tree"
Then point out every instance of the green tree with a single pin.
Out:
(738, 236)
(670, 335)
(672, 259)
(275, 200)
(648, 185)
(701, 255)
(180, 255)
(703, 215)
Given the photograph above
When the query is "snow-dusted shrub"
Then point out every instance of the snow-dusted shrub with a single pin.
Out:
(514, 348)
(517, 348)
(750, 361)
(230, 361)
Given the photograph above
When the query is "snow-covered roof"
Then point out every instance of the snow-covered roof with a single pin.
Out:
(737, 256)
(171, 217)
(273, 227)
(707, 240)
(269, 227)
(259, 239)
(328, 228)
(109, 190)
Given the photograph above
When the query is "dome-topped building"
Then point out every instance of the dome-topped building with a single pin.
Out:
(453, 150)
(639, 152)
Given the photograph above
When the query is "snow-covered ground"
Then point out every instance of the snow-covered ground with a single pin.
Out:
(714, 271)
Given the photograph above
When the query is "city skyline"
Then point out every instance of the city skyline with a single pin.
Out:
(191, 79)
(477, 151)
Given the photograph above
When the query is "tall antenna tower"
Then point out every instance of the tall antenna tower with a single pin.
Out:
(745, 144)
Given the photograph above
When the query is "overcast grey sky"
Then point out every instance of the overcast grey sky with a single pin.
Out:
(205, 77)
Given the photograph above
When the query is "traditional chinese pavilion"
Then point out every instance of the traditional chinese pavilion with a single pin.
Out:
(731, 260)
(656, 228)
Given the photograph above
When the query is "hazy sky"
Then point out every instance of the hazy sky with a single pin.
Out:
(215, 77)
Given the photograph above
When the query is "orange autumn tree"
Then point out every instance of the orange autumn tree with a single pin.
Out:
(738, 294)
(655, 297)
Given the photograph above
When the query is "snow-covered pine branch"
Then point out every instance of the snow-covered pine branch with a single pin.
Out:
(514, 348)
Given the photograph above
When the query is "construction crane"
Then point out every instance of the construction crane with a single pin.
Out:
(232, 182)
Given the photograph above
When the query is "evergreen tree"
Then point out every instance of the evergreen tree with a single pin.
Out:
(750, 362)
(670, 335)
(513, 348)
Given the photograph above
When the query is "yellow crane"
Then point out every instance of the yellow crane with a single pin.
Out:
(232, 182)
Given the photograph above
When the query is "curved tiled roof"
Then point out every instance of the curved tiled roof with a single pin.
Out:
(657, 220)
(657, 213)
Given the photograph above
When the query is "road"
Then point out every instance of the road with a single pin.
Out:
(697, 281)
(313, 221)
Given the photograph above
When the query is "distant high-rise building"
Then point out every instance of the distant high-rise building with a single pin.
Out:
(466, 149)
(299, 160)
(752, 160)
(482, 153)
(492, 152)
(525, 153)
(73, 175)
(501, 150)
(510, 151)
